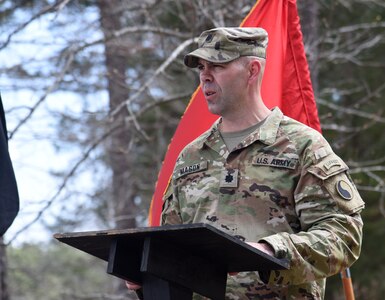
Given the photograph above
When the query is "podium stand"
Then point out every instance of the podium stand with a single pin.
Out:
(171, 262)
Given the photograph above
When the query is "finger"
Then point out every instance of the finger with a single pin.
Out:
(132, 286)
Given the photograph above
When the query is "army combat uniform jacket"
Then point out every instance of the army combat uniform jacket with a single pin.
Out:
(283, 185)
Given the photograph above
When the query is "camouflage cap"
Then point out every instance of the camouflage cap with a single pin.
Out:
(225, 44)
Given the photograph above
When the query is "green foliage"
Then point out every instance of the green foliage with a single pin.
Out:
(56, 271)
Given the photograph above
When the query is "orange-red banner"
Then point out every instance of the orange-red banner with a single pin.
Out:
(286, 84)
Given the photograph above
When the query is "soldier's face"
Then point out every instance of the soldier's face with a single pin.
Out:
(223, 85)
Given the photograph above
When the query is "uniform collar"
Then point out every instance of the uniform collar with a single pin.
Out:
(267, 133)
(269, 129)
(213, 139)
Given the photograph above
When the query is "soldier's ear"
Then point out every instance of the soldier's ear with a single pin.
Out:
(254, 70)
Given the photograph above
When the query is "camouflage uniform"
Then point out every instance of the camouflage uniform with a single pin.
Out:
(282, 185)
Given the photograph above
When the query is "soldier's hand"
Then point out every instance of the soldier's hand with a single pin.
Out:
(264, 247)
(132, 286)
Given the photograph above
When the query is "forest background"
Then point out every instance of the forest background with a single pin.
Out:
(93, 91)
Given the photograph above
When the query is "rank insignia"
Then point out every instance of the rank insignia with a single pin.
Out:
(229, 178)
(344, 189)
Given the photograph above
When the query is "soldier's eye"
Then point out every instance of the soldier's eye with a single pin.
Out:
(218, 66)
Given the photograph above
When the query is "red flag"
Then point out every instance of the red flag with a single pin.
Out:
(286, 84)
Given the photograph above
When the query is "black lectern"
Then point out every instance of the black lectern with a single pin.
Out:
(172, 262)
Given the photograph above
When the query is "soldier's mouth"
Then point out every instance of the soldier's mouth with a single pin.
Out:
(209, 93)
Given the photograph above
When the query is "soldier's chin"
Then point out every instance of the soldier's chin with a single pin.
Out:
(213, 106)
(214, 110)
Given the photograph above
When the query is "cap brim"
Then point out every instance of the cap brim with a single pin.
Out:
(191, 60)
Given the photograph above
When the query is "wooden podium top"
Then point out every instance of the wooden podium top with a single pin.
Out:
(201, 240)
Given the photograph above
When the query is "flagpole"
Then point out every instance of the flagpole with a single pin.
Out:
(347, 284)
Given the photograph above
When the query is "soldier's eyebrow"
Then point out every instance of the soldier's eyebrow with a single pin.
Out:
(210, 63)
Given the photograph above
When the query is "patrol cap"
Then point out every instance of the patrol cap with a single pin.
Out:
(224, 44)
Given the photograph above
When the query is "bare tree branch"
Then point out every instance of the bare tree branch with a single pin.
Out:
(130, 30)
(367, 169)
(50, 89)
(380, 187)
(49, 8)
(357, 27)
(69, 175)
(352, 111)
(205, 10)
(158, 71)
(377, 161)
(340, 128)
(170, 98)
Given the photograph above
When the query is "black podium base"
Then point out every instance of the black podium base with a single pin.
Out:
(169, 268)
(155, 288)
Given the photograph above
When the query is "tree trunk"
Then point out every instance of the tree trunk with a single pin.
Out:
(308, 11)
(123, 186)
(4, 295)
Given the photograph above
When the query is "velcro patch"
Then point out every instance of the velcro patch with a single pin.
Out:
(321, 153)
(198, 167)
(332, 163)
(328, 167)
(271, 161)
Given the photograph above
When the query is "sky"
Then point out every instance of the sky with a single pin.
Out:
(35, 156)
(34, 147)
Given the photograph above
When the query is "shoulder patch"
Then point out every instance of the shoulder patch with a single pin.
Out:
(344, 189)
(328, 167)
(344, 193)
(332, 163)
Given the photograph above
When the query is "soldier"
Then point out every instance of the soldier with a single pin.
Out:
(263, 177)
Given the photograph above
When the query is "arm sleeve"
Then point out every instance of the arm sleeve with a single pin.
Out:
(328, 206)
(170, 212)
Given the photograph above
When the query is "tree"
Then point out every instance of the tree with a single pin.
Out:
(101, 89)
(123, 187)
(138, 66)
(4, 293)
(51, 272)
(342, 51)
